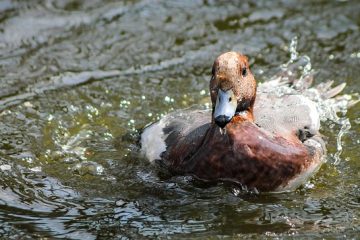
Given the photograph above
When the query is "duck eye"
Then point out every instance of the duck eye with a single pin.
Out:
(230, 99)
(244, 72)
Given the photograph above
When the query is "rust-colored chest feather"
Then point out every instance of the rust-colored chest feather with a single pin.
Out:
(242, 153)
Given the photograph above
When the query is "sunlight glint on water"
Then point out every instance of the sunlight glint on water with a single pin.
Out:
(79, 80)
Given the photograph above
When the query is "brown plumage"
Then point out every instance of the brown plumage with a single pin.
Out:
(244, 154)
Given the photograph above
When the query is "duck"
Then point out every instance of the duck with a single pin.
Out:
(251, 136)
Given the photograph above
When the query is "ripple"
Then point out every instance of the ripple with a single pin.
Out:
(80, 78)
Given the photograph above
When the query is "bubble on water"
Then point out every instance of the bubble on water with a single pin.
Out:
(124, 103)
(88, 167)
(169, 99)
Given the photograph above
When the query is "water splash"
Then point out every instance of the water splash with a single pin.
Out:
(293, 52)
(298, 73)
(294, 55)
(88, 167)
(73, 144)
(345, 127)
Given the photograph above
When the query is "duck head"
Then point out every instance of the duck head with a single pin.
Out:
(232, 89)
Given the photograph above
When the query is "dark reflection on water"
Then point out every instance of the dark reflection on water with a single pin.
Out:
(79, 78)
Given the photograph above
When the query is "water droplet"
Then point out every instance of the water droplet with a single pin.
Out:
(124, 103)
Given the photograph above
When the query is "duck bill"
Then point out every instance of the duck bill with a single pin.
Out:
(225, 107)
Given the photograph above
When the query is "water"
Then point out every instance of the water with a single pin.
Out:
(80, 78)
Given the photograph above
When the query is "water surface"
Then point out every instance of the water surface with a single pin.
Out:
(80, 78)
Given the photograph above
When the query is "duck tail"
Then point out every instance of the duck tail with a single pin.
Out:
(327, 91)
(294, 75)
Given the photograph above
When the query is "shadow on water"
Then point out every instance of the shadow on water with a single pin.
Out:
(80, 78)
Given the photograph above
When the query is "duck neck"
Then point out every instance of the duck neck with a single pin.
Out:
(245, 110)
(243, 116)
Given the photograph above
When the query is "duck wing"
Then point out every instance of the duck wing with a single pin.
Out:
(177, 134)
(287, 115)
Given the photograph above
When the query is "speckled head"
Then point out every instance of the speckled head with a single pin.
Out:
(232, 89)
